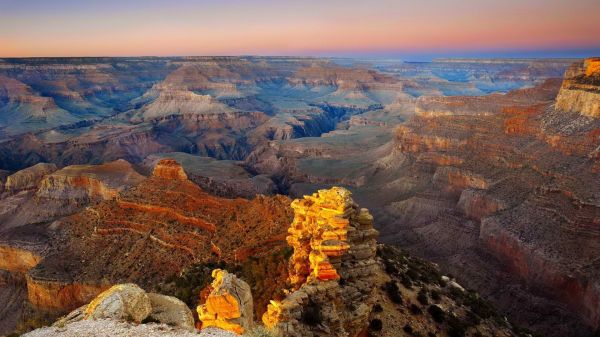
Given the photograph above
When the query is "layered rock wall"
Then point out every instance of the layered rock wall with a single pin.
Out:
(331, 269)
(579, 92)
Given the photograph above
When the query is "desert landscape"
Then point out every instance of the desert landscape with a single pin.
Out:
(332, 193)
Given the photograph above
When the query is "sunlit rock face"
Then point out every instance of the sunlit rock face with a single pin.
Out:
(331, 269)
(229, 304)
(580, 91)
(169, 169)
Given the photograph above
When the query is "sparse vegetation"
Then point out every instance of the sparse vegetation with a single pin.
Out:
(422, 297)
(312, 314)
(376, 325)
(415, 310)
(437, 313)
(393, 292)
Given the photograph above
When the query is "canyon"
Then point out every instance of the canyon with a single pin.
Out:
(156, 171)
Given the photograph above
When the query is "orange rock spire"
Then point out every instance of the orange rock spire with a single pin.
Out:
(319, 231)
(333, 239)
(229, 304)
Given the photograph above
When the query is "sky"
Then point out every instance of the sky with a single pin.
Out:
(413, 29)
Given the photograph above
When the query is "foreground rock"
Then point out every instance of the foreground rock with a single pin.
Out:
(113, 328)
(229, 304)
(130, 303)
(331, 270)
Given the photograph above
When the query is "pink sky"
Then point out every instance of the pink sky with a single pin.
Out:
(271, 27)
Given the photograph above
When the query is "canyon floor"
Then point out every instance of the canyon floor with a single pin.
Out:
(489, 168)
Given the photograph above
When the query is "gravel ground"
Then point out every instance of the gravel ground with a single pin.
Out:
(111, 328)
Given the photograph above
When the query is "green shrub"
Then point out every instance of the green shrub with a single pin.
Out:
(376, 325)
(422, 297)
(436, 313)
(415, 310)
(456, 327)
(312, 314)
(393, 292)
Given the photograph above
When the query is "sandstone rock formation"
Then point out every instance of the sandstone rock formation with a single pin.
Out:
(331, 269)
(579, 92)
(229, 304)
(171, 311)
(166, 219)
(508, 173)
(130, 303)
(169, 169)
(121, 302)
(86, 183)
(28, 178)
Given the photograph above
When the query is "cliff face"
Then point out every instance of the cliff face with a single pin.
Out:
(28, 178)
(165, 218)
(331, 269)
(85, 183)
(17, 260)
(515, 178)
(579, 92)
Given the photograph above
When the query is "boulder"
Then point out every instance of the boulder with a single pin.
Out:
(123, 302)
(171, 311)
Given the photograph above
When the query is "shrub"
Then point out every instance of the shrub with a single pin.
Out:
(407, 328)
(422, 297)
(406, 281)
(430, 334)
(377, 308)
(436, 313)
(479, 306)
(312, 314)
(435, 295)
(415, 309)
(456, 327)
(376, 325)
(393, 292)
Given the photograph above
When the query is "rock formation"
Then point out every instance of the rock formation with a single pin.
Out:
(229, 304)
(169, 169)
(130, 303)
(331, 269)
(28, 178)
(580, 90)
(165, 218)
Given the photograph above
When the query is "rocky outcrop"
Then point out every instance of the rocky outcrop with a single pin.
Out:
(229, 304)
(330, 270)
(59, 295)
(121, 302)
(171, 311)
(580, 90)
(501, 190)
(168, 220)
(86, 183)
(169, 169)
(130, 303)
(17, 260)
(28, 178)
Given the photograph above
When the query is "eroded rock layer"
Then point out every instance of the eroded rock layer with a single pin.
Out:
(579, 92)
(150, 232)
(229, 305)
(331, 269)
